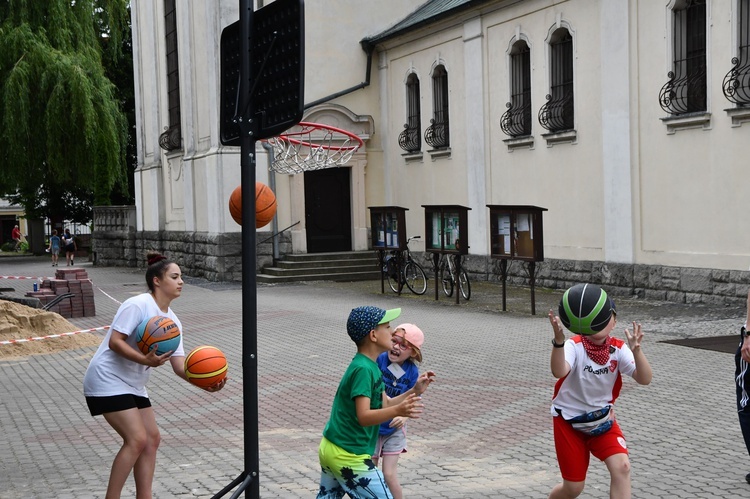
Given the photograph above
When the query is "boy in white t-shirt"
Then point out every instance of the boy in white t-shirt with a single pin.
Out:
(589, 368)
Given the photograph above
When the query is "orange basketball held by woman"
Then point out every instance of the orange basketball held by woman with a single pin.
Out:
(157, 332)
(265, 205)
(205, 366)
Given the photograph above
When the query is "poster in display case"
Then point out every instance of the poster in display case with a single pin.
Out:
(516, 233)
(388, 227)
(446, 229)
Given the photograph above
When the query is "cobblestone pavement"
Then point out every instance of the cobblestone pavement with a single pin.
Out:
(486, 431)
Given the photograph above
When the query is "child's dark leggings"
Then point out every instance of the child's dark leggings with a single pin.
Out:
(742, 380)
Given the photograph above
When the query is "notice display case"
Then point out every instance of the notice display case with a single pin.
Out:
(388, 227)
(516, 233)
(446, 229)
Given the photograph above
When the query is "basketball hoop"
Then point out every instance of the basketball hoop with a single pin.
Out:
(312, 146)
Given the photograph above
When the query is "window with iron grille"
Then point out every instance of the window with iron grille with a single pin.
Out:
(516, 121)
(685, 92)
(557, 113)
(410, 139)
(171, 139)
(437, 134)
(736, 85)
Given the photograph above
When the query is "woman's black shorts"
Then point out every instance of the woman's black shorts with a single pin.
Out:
(115, 403)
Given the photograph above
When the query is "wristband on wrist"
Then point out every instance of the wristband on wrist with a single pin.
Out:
(558, 345)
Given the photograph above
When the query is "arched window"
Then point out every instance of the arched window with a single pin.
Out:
(557, 114)
(516, 122)
(437, 134)
(685, 92)
(410, 140)
(171, 139)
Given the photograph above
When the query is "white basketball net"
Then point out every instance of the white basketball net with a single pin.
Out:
(312, 146)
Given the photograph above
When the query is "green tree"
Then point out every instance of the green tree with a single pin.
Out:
(63, 133)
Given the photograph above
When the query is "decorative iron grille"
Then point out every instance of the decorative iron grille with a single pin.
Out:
(437, 134)
(516, 121)
(685, 92)
(409, 140)
(557, 114)
(172, 138)
(736, 84)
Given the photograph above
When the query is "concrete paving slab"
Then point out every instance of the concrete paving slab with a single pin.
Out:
(486, 431)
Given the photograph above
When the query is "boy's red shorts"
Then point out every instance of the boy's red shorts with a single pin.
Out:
(573, 448)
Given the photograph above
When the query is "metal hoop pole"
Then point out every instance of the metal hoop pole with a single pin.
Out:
(250, 475)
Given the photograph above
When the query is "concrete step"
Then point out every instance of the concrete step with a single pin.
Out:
(347, 277)
(300, 270)
(337, 266)
(339, 255)
(346, 262)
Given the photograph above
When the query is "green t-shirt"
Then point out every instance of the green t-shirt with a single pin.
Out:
(361, 379)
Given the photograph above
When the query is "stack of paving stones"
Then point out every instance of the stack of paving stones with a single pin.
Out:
(74, 281)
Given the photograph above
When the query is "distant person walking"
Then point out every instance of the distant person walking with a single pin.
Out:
(16, 236)
(54, 247)
(69, 243)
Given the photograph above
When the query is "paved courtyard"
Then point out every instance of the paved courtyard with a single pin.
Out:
(486, 430)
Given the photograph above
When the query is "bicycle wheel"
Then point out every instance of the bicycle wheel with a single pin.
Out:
(447, 280)
(416, 280)
(393, 282)
(464, 285)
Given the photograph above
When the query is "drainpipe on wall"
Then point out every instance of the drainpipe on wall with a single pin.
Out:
(275, 220)
(369, 49)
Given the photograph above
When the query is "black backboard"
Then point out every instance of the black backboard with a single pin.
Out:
(277, 62)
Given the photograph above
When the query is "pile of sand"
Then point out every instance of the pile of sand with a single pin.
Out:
(19, 322)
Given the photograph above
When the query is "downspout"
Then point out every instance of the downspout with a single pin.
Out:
(275, 220)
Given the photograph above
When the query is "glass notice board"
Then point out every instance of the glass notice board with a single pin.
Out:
(516, 232)
(388, 227)
(446, 229)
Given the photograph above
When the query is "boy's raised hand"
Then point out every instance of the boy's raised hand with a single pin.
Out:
(557, 327)
(423, 382)
(634, 340)
(411, 407)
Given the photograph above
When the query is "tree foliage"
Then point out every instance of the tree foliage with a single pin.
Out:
(63, 133)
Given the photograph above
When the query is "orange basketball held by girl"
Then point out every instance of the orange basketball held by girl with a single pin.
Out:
(265, 205)
(206, 366)
(145, 334)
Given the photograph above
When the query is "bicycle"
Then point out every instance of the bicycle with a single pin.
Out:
(401, 269)
(447, 269)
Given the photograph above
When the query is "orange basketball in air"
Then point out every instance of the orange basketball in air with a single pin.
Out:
(205, 366)
(235, 204)
(265, 204)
